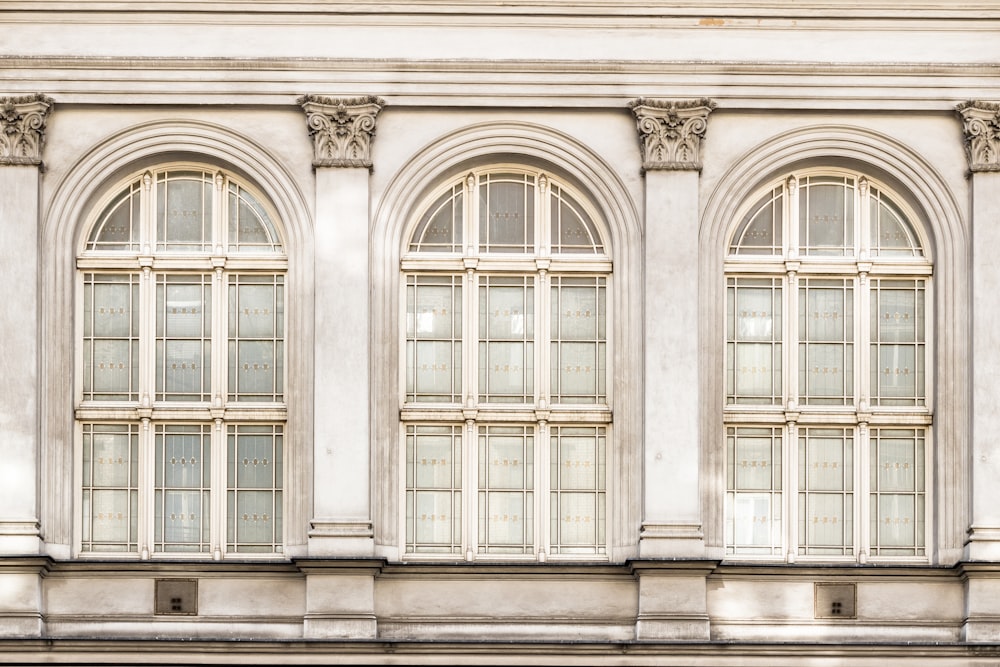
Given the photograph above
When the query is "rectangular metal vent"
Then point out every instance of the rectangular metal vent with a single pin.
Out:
(836, 600)
(177, 597)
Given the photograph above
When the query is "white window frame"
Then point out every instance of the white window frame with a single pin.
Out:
(218, 414)
(860, 417)
(539, 414)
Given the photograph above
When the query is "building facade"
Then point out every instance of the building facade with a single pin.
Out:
(455, 332)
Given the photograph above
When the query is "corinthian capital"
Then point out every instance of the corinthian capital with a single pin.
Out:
(22, 128)
(981, 123)
(341, 129)
(670, 132)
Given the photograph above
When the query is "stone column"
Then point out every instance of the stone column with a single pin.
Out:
(342, 131)
(22, 132)
(981, 122)
(670, 134)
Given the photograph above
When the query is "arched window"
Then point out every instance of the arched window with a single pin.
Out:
(180, 398)
(827, 409)
(506, 417)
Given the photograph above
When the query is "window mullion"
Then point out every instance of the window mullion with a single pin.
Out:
(220, 518)
(470, 489)
(147, 463)
(543, 489)
(543, 340)
(220, 336)
(790, 490)
(863, 469)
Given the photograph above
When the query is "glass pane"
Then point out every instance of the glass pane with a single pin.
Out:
(572, 229)
(760, 233)
(826, 335)
(506, 478)
(184, 211)
(434, 489)
(897, 492)
(898, 332)
(434, 338)
(578, 331)
(117, 227)
(110, 337)
(826, 216)
(256, 337)
(506, 213)
(183, 488)
(183, 337)
(440, 228)
(250, 227)
(754, 330)
(255, 471)
(577, 499)
(110, 474)
(826, 499)
(891, 233)
(506, 331)
(753, 491)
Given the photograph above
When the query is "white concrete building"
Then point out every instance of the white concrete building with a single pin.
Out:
(456, 332)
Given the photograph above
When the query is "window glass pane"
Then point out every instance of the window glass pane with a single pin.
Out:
(897, 492)
(256, 337)
(506, 334)
(579, 342)
(255, 472)
(183, 488)
(110, 487)
(117, 227)
(754, 330)
(577, 499)
(434, 338)
(572, 229)
(826, 337)
(753, 491)
(434, 489)
(891, 233)
(826, 216)
(506, 213)
(250, 227)
(111, 337)
(506, 483)
(440, 229)
(184, 211)
(760, 232)
(898, 342)
(183, 337)
(826, 498)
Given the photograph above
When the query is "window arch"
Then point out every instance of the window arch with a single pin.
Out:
(827, 394)
(181, 393)
(506, 409)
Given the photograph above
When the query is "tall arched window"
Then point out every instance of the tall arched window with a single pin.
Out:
(506, 411)
(180, 394)
(827, 406)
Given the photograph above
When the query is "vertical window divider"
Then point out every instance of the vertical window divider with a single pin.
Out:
(147, 480)
(220, 339)
(862, 483)
(790, 490)
(219, 206)
(470, 495)
(543, 490)
(220, 487)
(543, 329)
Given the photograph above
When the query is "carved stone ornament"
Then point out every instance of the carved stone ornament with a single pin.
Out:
(982, 134)
(670, 132)
(22, 128)
(341, 129)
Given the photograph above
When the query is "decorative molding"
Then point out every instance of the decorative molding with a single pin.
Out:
(982, 134)
(342, 129)
(22, 128)
(670, 132)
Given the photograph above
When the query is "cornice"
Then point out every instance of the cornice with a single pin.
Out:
(22, 128)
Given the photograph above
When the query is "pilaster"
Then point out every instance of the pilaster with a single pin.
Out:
(342, 131)
(670, 134)
(340, 598)
(673, 600)
(22, 133)
(981, 124)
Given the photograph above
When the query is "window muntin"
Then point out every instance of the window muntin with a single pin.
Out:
(182, 285)
(505, 347)
(818, 392)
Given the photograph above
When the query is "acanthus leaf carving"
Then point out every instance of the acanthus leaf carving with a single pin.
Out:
(671, 132)
(22, 128)
(342, 129)
(981, 124)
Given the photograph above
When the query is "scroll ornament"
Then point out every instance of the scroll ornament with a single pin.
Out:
(22, 128)
(670, 132)
(981, 123)
(342, 129)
